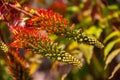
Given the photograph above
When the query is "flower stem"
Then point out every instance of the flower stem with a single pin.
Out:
(18, 9)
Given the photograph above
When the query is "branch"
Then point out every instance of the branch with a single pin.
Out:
(18, 9)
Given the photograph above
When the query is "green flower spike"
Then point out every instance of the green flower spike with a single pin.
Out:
(30, 38)
(54, 23)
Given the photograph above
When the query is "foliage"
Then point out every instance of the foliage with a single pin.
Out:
(108, 49)
(58, 37)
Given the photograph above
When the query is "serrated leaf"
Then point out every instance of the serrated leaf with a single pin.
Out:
(114, 71)
(111, 57)
(113, 34)
(109, 47)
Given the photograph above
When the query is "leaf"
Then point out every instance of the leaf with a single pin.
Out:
(73, 45)
(94, 30)
(33, 67)
(73, 9)
(113, 7)
(113, 34)
(87, 52)
(53, 37)
(109, 47)
(111, 57)
(114, 71)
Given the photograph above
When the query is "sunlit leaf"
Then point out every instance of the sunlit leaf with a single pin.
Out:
(116, 14)
(114, 71)
(113, 34)
(94, 30)
(73, 45)
(73, 9)
(87, 51)
(109, 47)
(53, 37)
(111, 56)
(113, 7)
(102, 25)
(33, 67)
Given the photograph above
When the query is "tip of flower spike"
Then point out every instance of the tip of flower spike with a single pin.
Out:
(58, 54)
(73, 60)
(81, 37)
(67, 58)
(95, 42)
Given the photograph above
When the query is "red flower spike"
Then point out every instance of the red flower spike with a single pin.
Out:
(24, 36)
(49, 21)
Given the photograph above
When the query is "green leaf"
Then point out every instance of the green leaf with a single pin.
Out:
(87, 52)
(73, 9)
(113, 34)
(94, 30)
(53, 37)
(111, 57)
(114, 71)
(109, 47)
(113, 7)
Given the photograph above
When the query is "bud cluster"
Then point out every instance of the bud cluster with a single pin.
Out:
(61, 55)
(81, 37)
(3, 47)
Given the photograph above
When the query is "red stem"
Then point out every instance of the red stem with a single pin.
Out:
(23, 11)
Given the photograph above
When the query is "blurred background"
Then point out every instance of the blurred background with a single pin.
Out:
(99, 18)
